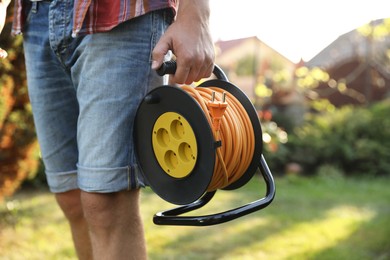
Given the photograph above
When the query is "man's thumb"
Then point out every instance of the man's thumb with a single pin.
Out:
(159, 52)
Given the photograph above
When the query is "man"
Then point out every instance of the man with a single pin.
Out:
(89, 63)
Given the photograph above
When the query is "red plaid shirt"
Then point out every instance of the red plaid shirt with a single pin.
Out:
(92, 16)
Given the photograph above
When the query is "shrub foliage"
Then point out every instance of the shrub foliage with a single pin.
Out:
(355, 139)
(18, 145)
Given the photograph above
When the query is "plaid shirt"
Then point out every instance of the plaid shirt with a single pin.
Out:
(92, 16)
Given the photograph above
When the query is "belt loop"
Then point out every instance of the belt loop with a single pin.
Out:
(34, 7)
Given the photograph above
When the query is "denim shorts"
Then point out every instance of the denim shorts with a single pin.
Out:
(84, 93)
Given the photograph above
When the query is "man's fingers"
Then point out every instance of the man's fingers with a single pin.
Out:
(181, 75)
(193, 70)
(205, 71)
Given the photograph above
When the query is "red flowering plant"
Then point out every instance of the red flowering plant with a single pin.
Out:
(273, 135)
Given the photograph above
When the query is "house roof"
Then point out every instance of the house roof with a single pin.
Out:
(227, 45)
(351, 46)
(228, 51)
(361, 62)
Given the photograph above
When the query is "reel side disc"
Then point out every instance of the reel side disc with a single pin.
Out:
(174, 144)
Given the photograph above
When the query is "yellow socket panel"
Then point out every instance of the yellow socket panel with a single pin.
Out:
(174, 144)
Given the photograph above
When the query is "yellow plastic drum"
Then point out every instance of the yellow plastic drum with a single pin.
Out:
(174, 145)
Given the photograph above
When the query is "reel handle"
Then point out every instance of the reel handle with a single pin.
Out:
(171, 217)
(169, 67)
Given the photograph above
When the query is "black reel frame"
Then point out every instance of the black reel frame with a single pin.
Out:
(173, 216)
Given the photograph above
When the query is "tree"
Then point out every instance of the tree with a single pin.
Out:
(18, 145)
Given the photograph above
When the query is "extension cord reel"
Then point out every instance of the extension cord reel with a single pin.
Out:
(176, 150)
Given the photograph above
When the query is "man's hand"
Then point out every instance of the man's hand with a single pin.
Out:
(190, 41)
(3, 13)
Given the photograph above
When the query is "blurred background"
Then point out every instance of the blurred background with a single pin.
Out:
(318, 73)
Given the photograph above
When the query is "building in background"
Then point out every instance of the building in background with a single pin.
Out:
(249, 62)
(265, 76)
(358, 64)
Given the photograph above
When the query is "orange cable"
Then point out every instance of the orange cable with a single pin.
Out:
(235, 133)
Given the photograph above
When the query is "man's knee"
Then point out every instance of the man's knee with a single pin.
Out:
(106, 210)
(70, 203)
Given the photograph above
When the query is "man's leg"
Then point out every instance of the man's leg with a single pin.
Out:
(70, 203)
(112, 75)
(107, 94)
(113, 219)
(55, 109)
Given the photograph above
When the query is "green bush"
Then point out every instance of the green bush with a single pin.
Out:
(355, 139)
(274, 146)
(19, 150)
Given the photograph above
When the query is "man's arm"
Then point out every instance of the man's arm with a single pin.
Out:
(3, 13)
(190, 41)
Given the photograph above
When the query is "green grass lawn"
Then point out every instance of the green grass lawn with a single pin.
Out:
(310, 218)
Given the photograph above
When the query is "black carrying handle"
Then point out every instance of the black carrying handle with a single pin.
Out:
(169, 67)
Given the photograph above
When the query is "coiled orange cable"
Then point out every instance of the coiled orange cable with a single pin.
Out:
(235, 133)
